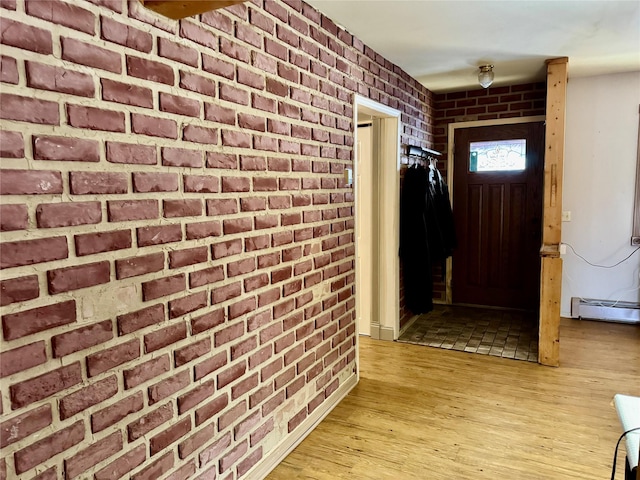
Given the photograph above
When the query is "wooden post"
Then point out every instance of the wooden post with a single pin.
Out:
(549, 333)
(551, 265)
(177, 9)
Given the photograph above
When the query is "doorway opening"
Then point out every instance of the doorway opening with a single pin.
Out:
(377, 196)
(495, 174)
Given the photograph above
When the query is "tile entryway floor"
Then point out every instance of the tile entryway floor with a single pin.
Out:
(509, 334)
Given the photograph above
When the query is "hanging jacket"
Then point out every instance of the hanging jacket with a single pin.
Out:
(414, 244)
(443, 220)
(427, 233)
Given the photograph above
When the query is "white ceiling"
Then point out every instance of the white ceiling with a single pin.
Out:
(441, 43)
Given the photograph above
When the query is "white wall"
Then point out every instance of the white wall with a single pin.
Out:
(599, 183)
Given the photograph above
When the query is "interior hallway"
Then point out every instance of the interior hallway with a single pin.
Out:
(427, 413)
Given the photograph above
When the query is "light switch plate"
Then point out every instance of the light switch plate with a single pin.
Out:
(348, 177)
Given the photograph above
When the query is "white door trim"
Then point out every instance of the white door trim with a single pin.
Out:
(379, 110)
(367, 195)
(386, 152)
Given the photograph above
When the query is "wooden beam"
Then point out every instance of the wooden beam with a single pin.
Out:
(549, 330)
(554, 150)
(177, 9)
(551, 265)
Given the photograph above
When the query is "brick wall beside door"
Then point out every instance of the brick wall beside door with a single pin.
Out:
(177, 244)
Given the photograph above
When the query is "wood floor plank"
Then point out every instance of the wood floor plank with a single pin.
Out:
(426, 413)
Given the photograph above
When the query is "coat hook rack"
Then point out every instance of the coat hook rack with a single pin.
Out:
(422, 153)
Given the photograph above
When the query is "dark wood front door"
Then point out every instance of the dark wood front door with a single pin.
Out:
(497, 205)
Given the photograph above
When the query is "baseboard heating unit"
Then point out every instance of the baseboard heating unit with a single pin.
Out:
(606, 310)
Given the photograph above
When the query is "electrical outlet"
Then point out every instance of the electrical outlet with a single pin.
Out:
(635, 241)
(566, 216)
(563, 249)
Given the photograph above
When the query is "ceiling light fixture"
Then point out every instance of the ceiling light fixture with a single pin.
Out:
(485, 77)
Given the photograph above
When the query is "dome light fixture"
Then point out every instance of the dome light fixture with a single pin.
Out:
(485, 76)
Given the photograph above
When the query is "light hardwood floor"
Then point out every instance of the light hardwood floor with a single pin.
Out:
(426, 413)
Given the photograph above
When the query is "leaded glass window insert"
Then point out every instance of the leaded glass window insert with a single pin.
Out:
(498, 156)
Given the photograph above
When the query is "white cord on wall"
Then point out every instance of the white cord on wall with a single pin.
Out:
(598, 302)
(595, 264)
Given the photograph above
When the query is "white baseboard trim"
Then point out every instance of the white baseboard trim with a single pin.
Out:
(275, 456)
(380, 332)
(387, 334)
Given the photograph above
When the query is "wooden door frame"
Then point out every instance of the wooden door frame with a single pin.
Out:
(386, 152)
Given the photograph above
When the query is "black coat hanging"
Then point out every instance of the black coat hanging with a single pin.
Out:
(414, 244)
(427, 234)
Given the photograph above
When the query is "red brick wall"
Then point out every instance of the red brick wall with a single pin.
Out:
(522, 100)
(487, 104)
(177, 251)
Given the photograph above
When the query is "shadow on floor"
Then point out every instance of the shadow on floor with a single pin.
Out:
(501, 333)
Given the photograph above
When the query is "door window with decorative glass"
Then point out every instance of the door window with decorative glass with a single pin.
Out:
(498, 156)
